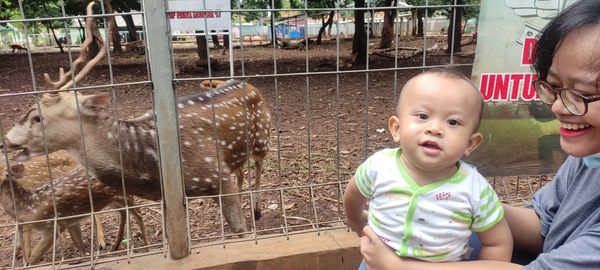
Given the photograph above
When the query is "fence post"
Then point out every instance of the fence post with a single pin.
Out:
(159, 55)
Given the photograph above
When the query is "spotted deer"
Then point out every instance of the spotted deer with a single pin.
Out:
(239, 109)
(35, 199)
(36, 174)
(125, 151)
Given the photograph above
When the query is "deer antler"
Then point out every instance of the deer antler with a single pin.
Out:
(91, 34)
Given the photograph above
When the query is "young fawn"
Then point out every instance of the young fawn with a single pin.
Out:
(17, 47)
(34, 201)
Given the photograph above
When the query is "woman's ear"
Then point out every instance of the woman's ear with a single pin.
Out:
(474, 142)
(394, 126)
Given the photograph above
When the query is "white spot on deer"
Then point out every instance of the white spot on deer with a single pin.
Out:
(152, 153)
(127, 146)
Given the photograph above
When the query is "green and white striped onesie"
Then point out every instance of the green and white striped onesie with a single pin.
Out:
(432, 222)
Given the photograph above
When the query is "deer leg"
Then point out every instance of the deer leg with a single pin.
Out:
(122, 221)
(24, 241)
(100, 232)
(232, 209)
(256, 187)
(137, 214)
(77, 237)
(43, 246)
(240, 178)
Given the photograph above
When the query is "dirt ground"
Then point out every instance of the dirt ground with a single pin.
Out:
(324, 126)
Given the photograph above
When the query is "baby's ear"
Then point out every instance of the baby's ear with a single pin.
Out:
(474, 142)
(394, 126)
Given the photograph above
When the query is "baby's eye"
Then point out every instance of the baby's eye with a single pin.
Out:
(422, 116)
(453, 122)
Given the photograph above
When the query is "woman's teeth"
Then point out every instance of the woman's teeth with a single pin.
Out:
(573, 126)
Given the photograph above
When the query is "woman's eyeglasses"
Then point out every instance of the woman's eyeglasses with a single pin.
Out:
(575, 102)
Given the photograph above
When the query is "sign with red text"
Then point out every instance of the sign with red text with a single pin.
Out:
(520, 132)
(199, 15)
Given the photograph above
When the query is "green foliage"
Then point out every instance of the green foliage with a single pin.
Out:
(468, 12)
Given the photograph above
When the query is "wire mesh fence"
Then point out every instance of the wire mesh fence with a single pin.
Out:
(169, 132)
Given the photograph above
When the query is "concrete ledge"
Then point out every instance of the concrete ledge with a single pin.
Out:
(332, 250)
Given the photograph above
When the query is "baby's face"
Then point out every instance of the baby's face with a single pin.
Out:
(436, 120)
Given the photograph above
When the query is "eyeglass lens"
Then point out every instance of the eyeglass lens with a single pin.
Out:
(572, 102)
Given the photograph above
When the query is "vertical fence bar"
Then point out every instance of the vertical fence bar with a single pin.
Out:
(167, 126)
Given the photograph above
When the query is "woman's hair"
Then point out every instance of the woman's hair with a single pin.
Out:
(576, 16)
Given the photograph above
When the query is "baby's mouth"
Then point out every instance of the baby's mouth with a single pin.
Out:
(431, 145)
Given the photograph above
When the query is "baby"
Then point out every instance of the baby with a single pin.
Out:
(424, 202)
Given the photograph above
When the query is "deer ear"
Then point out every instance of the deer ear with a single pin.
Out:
(17, 170)
(93, 104)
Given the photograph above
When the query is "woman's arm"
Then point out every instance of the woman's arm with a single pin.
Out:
(496, 243)
(525, 227)
(354, 207)
(378, 256)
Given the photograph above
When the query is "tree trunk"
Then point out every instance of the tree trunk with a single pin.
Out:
(455, 29)
(202, 49)
(215, 40)
(324, 25)
(273, 31)
(114, 31)
(387, 31)
(413, 19)
(130, 27)
(81, 31)
(371, 24)
(226, 39)
(359, 42)
(420, 28)
(53, 34)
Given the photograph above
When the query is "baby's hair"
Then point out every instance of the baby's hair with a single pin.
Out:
(578, 15)
(451, 73)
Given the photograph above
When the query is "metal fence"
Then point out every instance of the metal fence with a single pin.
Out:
(327, 116)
